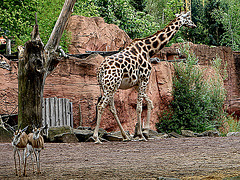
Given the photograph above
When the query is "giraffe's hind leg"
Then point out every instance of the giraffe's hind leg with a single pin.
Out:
(139, 122)
(149, 109)
(114, 112)
(100, 108)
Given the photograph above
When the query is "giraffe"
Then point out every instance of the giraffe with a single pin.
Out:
(131, 68)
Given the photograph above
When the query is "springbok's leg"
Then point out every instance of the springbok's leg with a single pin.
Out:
(15, 161)
(19, 158)
(100, 107)
(149, 109)
(114, 112)
(37, 154)
(30, 152)
(24, 161)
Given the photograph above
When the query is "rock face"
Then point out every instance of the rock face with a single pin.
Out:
(93, 34)
(76, 80)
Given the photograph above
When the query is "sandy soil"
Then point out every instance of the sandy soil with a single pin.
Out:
(184, 158)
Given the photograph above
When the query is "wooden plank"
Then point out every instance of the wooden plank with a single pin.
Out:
(64, 111)
(48, 121)
(43, 113)
(52, 112)
(60, 116)
(68, 112)
(56, 111)
(71, 113)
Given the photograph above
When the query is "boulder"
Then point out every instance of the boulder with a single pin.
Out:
(115, 136)
(66, 138)
(210, 133)
(175, 135)
(233, 134)
(161, 136)
(188, 133)
(83, 134)
(53, 131)
(5, 136)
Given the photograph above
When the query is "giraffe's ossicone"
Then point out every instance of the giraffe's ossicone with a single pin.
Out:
(131, 68)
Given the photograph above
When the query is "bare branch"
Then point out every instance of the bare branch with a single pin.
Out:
(60, 25)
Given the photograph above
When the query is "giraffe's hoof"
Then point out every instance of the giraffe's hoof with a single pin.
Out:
(146, 133)
(126, 139)
(143, 139)
(98, 142)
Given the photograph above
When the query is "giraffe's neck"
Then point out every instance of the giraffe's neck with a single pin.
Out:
(153, 44)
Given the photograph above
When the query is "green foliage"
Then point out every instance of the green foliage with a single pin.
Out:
(209, 30)
(217, 20)
(198, 103)
(86, 8)
(233, 124)
(122, 13)
(229, 15)
(16, 19)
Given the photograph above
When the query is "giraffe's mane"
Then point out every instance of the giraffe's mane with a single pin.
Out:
(159, 31)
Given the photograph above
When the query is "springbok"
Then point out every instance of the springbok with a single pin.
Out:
(19, 142)
(35, 144)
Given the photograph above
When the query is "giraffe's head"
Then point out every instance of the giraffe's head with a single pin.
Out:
(185, 18)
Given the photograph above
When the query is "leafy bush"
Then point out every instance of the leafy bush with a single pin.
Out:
(198, 103)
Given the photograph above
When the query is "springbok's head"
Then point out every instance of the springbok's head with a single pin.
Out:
(185, 18)
(17, 135)
(37, 131)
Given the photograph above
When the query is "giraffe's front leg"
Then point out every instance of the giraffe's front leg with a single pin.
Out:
(114, 112)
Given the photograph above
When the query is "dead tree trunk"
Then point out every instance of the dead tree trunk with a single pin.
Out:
(37, 63)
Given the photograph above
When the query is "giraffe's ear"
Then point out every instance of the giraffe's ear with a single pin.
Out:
(187, 14)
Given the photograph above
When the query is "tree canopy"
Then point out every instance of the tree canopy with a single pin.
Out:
(217, 20)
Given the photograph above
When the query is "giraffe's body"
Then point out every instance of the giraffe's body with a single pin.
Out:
(131, 68)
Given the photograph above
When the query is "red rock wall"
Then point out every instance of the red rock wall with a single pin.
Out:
(93, 34)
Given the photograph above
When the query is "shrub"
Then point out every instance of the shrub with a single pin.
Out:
(198, 103)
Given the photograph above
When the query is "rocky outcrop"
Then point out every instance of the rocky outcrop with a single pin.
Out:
(93, 34)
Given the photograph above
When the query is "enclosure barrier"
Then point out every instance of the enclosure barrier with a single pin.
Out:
(57, 112)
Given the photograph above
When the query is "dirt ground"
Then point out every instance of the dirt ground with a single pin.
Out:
(184, 158)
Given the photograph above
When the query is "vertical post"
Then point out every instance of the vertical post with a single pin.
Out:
(60, 107)
(71, 114)
(47, 112)
(43, 113)
(52, 115)
(56, 111)
(8, 47)
(80, 115)
(68, 112)
(64, 111)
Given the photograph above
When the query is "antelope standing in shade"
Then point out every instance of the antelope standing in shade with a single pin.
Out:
(35, 144)
(19, 142)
